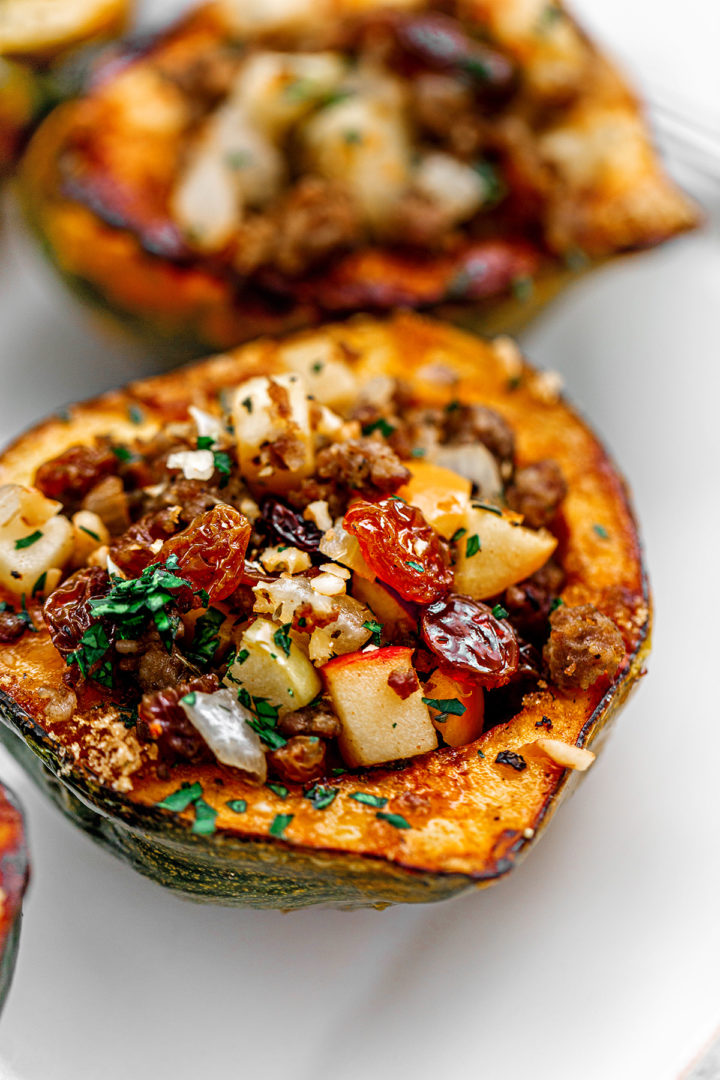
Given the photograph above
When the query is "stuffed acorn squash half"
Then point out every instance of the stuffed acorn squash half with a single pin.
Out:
(14, 873)
(262, 166)
(334, 618)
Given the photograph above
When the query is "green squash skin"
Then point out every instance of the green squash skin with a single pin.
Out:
(266, 873)
(8, 957)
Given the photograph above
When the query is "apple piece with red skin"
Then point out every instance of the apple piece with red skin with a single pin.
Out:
(378, 724)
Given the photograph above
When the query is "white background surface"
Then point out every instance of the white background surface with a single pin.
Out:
(599, 957)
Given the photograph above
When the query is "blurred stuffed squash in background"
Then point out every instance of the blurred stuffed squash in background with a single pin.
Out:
(35, 34)
(14, 873)
(261, 167)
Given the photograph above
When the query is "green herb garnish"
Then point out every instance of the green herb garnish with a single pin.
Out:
(279, 824)
(500, 612)
(28, 541)
(279, 789)
(415, 566)
(135, 414)
(238, 806)
(39, 586)
(381, 425)
(367, 799)
(376, 628)
(472, 545)
(457, 534)
(206, 640)
(122, 453)
(205, 442)
(418, 451)
(247, 404)
(445, 707)
(321, 796)
(282, 638)
(90, 533)
(204, 823)
(180, 800)
(600, 530)
(488, 506)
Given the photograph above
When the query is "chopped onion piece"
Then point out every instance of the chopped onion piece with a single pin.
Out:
(475, 462)
(194, 464)
(208, 426)
(223, 723)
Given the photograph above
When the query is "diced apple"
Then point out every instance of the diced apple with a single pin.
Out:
(269, 411)
(442, 495)
(457, 729)
(270, 665)
(377, 724)
(503, 553)
(388, 610)
(34, 537)
(328, 378)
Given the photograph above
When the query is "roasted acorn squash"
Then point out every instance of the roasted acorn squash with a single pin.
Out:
(484, 155)
(13, 882)
(471, 814)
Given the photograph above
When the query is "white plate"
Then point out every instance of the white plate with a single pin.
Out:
(598, 958)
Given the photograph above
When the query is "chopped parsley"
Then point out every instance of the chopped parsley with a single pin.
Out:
(39, 586)
(475, 68)
(266, 718)
(396, 820)
(128, 716)
(180, 800)
(472, 545)
(488, 506)
(557, 602)
(90, 533)
(353, 137)
(279, 824)
(28, 541)
(457, 535)
(122, 453)
(321, 796)
(600, 531)
(381, 425)
(279, 789)
(317, 367)
(206, 640)
(247, 404)
(90, 650)
(500, 612)
(367, 799)
(282, 638)
(376, 628)
(204, 823)
(418, 451)
(480, 754)
(135, 414)
(445, 707)
(238, 806)
(223, 465)
(205, 442)
(132, 604)
(415, 566)
(189, 699)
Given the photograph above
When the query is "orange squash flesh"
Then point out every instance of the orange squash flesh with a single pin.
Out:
(471, 818)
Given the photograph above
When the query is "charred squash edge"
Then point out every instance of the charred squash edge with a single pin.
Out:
(14, 876)
(257, 871)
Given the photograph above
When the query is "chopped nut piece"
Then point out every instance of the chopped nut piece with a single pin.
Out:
(328, 584)
(318, 513)
(290, 559)
(565, 754)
